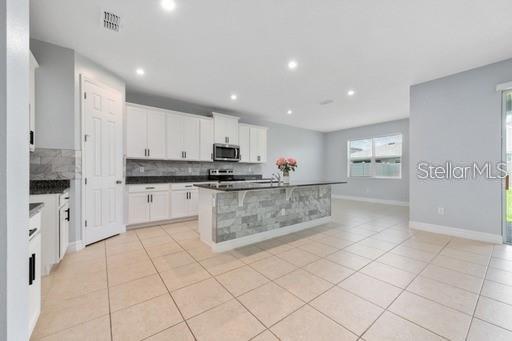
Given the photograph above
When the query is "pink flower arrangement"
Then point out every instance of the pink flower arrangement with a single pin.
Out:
(286, 165)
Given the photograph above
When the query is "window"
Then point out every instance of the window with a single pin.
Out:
(378, 157)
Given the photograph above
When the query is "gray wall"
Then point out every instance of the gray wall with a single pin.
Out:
(54, 95)
(14, 98)
(336, 163)
(304, 145)
(458, 118)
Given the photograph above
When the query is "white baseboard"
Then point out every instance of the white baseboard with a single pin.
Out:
(75, 246)
(239, 242)
(457, 232)
(372, 200)
(160, 222)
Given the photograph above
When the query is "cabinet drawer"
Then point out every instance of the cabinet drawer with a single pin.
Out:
(147, 188)
(183, 186)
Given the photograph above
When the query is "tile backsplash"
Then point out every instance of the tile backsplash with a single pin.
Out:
(55, 164)
(163, 168)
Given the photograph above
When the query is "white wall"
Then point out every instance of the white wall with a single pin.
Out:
(382, 189)
(14, 158)
(303, 144)
(458, 118)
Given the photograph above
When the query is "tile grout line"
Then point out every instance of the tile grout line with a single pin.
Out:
(403, 290)
(229, 292)
(479, 295)
(108, 293)
(168, 291)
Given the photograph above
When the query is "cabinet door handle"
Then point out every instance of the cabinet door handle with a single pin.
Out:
(31, 269)
(67, 214)
(148, 197)
(151, 197)
(30, 259)
(31, 137)
(149, 152)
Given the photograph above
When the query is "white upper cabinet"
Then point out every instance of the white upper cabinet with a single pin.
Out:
(182, 137)
(225, 129)
(136, 132)
(258, 144)
(32, 102)
(206, 139)
(191, 137)
(145, 133)
(245, 142)
(156, 135)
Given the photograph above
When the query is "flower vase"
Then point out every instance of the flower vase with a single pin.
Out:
(286, 177)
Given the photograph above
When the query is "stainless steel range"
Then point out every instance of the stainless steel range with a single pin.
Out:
(227, 175)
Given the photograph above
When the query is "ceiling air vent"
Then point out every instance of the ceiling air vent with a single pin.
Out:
(111, 21)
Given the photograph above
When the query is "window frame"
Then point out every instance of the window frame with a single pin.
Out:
(373, 158)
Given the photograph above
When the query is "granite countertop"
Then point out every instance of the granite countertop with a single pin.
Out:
(251, 186)
(35, 208)
(49, 186)
(134, 180)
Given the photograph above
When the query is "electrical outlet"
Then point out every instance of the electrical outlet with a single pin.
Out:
(141, 169)
(283, 211)
(440, 210)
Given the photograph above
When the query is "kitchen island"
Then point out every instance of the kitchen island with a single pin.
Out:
(239, 214)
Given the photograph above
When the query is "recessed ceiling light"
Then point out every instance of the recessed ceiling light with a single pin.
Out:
(168, 5)
(140, 72)
(289, 112)
(351, 92)
(292, 64)
(234, 97)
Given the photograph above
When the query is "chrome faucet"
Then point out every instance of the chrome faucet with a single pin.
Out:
(276, 177)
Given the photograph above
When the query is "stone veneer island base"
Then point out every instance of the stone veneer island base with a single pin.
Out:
(235, 215)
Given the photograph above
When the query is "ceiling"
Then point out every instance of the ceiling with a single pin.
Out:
(206, 50)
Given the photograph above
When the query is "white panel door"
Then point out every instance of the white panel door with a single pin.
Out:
(159, 206)
(156, 134)
(206, 139)
(245, 143)
(138, 208)
(103, 162)
(179, 204)
(190, 137)
(175, 150)
(136, 132)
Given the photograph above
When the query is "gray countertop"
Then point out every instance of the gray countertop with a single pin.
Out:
(35, 208)
(49, 186)
(251, 186)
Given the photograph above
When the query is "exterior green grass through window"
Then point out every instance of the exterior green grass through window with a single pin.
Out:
(377, 157)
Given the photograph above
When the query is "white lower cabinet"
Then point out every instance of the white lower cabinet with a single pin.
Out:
(184, 201)
(157, 202)
(147, 203)
(34, 271)
(159, 205)
(55, 219)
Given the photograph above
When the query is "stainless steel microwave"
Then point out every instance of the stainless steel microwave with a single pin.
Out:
(226, 152)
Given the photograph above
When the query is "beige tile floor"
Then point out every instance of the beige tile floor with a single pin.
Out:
(365, 276)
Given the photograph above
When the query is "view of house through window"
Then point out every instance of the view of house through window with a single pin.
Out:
(379, 157)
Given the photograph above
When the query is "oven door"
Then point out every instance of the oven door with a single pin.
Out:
(226, 152)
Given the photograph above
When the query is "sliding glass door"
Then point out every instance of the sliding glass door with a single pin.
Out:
(507, 148)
